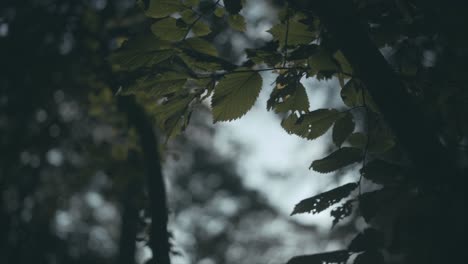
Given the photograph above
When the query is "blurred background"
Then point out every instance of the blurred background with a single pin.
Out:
(70, 163)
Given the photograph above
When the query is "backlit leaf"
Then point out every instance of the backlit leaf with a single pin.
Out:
(163, 8)
(352, 95)
(341, 158)
(169, 29)
(298, 33)
(141, 52)
(159, 84)
(200, 45)
(235, 94)
(343, 128)
(201, 29)
(312, 124)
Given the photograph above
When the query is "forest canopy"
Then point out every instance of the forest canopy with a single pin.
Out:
(400, 66)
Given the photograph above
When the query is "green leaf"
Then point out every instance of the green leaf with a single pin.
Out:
(298, 33)
(321, 61)
(381, 172)
(200, 45)
(235, 94)
(201, 29)
(140, 52)
(159, 84)
(163, 8)
(343, 63)
(352, 96)
(188, 16)
(219, 12)
(173, 115)
(195, 62)
(288, 95)
(357, 140)
(380, 142)
(192, 3)
(342, 157)
(335, 257)
(311, 125)
(169, 29)
(233, 6)
(267, 54)
(236, 22)
(342, 129)
(318, 203)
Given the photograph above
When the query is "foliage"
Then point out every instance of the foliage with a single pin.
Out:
(189, 70)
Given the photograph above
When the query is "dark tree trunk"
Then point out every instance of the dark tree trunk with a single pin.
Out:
(159, 236)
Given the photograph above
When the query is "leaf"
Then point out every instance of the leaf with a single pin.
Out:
(173, 115)
(192, 2)
(379, 142)
(343, 128)
(351, 94)
(235, 94)
(237, 22)
(288, 95)
(357, 140)
(369, 239)
(197, 63)
(188, 16)
(343, 63)
(267, 54)
(318, 203)
(163, 8)
(140, 52)
(342, 157)
(342, 211)
(233, 6)
(201, 29)
(219, 12)
(169, 29)
(381, 172)
(158, 85)
(311, 125)
(200, 45)
(298, 33)
(336, 257)
(321, 61)
(370, 257)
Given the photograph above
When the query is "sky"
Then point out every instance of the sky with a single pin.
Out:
(275, 162)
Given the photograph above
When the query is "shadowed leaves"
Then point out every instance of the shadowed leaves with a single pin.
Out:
(318, 203)
(342, 129)
(342, 211)
(369, 239)
(341, 158)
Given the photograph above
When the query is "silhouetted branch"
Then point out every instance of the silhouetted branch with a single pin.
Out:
(159, 237)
